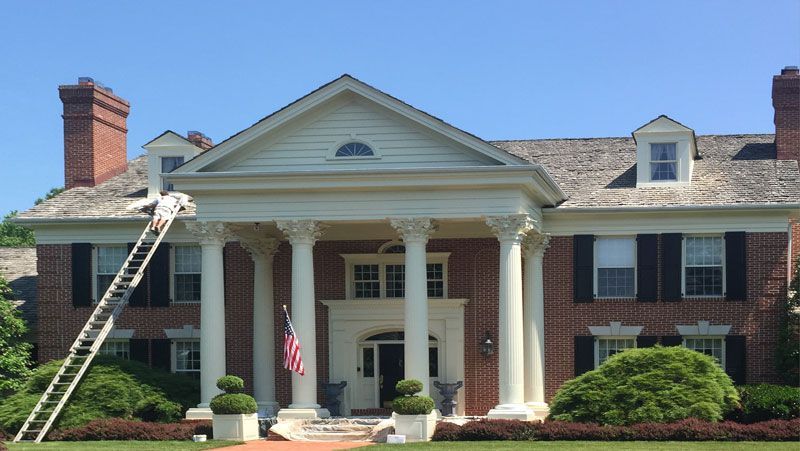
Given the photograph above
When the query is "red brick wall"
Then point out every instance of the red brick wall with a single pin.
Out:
(757, 317)
(795, 226)
(94, 135)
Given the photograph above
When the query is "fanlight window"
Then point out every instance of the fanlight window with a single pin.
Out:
(355, 149)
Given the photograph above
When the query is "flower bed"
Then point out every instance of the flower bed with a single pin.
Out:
(119, 429)
(685, 430)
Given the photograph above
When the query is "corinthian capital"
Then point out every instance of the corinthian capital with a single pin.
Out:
(414, 229)
(302, 231)
(511, 227)
(534, 244)
(209, 232)
(260, 247)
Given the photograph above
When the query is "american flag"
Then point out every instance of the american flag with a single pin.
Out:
(291, 347)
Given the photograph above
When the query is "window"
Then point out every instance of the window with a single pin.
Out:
(187, 273)
(605, 347)
(118, 348)
(355, 149)
(369, 361)
(435, 280)
(433, 361)
(703, 268)
(383, 275)
(187, 357)
(663, 162)
(367, 281)
(168, 164)
(395, 281)
(109, 260)
(713, 346)
(615, 275)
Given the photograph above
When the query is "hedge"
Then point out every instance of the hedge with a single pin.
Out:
(119, 429)
(686, 430)
(768, 402)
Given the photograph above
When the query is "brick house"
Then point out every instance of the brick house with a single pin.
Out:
(405, 247)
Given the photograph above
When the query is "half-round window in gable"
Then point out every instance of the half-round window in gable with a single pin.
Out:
(355, 149)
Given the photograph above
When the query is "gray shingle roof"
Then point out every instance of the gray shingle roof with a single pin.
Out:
(18, 267)
(601, 172)
(594, 172)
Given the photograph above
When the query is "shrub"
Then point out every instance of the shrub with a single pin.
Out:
(413, 405)
(660, 384)
(233, 404)
(230, 384)
(685, 430)
(408, 387)
(768, 402)
(118, 429)
(111, 388)
(3, 447)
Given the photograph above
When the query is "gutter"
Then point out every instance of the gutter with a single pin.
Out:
(358, 172)
(735, 207)
(89, 219)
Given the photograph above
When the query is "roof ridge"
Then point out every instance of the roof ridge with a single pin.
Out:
(623, 137)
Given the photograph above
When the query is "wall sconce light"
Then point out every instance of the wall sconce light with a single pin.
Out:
(256, 226)
(487, 347)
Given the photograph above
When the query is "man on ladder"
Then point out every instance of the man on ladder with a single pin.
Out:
(162, 208)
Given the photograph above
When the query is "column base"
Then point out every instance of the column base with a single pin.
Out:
(199, 413)
(302, 414)
(540, 409)
(511, 412)
(267, 409)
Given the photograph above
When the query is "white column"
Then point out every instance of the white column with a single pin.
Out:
(212, 236)
(534, 246)
(302, 235)
(262, 250)
(510, 230)
(415, 233)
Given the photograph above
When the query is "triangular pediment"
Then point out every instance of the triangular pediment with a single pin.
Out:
(662, 124)
(306, 134)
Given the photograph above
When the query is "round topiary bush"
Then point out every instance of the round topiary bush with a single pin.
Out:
(413, 405)
(408, 387)
(660, 384)
(230, 384)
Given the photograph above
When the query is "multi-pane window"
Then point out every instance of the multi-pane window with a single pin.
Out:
(118, 348)
(354, 149)
(616, 267)
(108, 263)
(713, 346)
(703, 268)
(366, 279)
(187, 274)
(435, 280)
(168, 164)
(663, 161)
(187, 357)
(607, 346)
(368, 358)
(395, 281)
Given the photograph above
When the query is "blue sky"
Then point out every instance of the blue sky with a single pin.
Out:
(499, 69)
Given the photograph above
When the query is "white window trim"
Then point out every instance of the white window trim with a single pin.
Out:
(174, 355)
(676, 161)
(615, 329)
(188, 331)
(709, 337)
(93, 264)
(161, 174)
(683, 266)
(703, 328)
(610, 337)
(388, 259)
(172, 263)
(331, 153)
(596, 267)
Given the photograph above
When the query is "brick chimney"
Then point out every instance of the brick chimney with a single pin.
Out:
(199, 139)
(95, 133)
(786, 101)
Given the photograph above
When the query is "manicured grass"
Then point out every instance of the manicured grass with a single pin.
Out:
(121, 445)
(594, 446)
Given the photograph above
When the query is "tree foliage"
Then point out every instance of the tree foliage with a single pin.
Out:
(50, 194)
(660, 385)
(788, 352)
(15, 353)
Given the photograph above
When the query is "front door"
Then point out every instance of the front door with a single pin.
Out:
(391, 369)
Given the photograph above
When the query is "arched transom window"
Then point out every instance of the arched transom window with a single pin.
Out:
(355, 149)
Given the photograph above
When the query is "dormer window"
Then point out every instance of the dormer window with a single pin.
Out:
(354, 150)
(663, 162)
(168, 164)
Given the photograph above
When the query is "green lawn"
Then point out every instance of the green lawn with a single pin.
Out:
(615, 446)
(120, 445)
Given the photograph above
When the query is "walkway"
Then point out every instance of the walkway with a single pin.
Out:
(274, 445)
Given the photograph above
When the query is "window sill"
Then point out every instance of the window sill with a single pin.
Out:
(185, 302)
(615, 298)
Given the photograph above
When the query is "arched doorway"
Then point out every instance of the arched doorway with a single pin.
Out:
(382, 365)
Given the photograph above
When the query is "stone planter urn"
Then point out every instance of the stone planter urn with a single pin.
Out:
(416, 428)
(241, 427)
(413, 415)
(235, 414)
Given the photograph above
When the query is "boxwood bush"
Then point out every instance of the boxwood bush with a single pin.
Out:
(409, 403)
(768, 402)
(231, 402)
(111, 388)
(660, 384)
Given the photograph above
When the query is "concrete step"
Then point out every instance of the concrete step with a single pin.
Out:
(334, 429)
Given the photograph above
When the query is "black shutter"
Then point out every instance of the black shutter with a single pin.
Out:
(81, 274)
(672, 340)
(647, 268)
(644, 341)
(161, 353)
(140, 350)
(139, 296)
(671, 266)
(583, 268)
(735, 266)
(159, 277)
(735, 358)
(584, 354)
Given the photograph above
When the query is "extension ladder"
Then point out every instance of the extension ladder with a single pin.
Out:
(92, 336)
